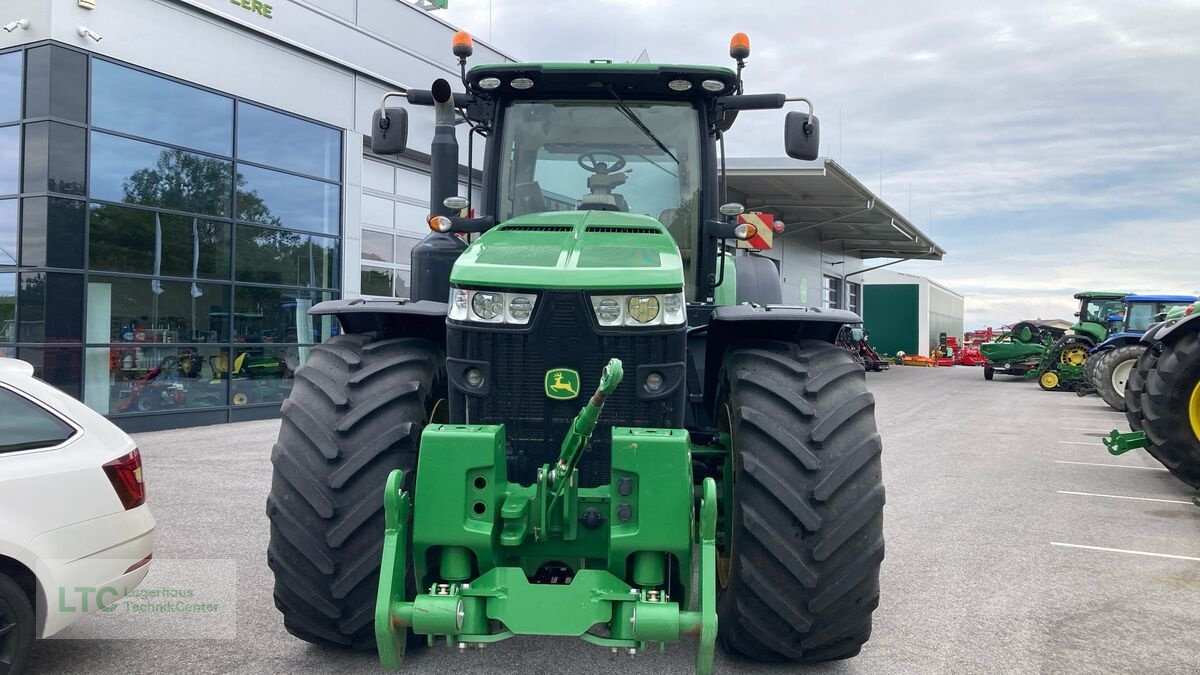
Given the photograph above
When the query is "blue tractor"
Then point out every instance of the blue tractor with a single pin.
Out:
(1110, 363)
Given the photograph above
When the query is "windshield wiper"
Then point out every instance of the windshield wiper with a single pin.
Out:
(638, 123)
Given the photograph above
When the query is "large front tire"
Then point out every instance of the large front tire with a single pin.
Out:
(807, 514)
(1113, 372)
(355, 413)
(1135, 386)
(1171, 408)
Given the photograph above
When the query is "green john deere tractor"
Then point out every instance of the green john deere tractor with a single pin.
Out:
(1062, 366)
(1162, 396)
(436, 475)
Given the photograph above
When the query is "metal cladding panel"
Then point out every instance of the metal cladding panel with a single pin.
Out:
(890, 312)
(562, 336)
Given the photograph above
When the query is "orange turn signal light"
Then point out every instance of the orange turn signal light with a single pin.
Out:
(739, 46)
(463, 44)
(745, 231)
(440, 224)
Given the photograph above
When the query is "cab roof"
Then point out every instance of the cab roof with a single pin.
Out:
(644, 79)
(1102, 295)
(1181, 299)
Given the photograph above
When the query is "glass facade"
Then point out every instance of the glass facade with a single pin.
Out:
(160, 243)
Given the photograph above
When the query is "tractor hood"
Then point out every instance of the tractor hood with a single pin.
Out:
(588, 250)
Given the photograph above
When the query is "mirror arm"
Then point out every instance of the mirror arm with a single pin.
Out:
(808, 126)
(384, 122)
(472, 225)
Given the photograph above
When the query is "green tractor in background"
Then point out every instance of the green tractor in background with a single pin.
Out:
(1063, 365)
(1162, 396)
(436, 477)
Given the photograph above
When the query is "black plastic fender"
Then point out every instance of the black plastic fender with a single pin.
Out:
(388, 318)
(738, 323)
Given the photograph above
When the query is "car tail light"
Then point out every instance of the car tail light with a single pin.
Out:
(125, 474)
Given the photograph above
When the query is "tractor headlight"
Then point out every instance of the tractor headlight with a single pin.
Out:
(491, 306)
(487, 306)
(642, 309)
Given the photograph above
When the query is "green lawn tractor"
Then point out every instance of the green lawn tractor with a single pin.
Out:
(1061, 367)
(1163, 396)
(596, 423)
(1019, 350)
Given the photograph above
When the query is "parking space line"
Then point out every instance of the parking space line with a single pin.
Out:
(1115, 466)
(1140, 499)
(1094, 445)
(1122, 550)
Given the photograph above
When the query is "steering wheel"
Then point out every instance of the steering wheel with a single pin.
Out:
(588, 162)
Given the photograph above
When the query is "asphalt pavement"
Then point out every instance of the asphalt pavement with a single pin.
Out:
(1015, 544)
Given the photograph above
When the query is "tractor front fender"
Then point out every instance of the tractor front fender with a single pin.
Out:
(1169, 332)
(388, 318)
(738, 323)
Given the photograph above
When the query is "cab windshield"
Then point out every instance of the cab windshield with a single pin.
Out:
(630, 156)
(1100, 311)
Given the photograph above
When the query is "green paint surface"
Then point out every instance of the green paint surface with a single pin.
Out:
(890, 312)
(590, 250)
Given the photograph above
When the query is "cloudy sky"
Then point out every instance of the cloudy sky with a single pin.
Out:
(1047, 146)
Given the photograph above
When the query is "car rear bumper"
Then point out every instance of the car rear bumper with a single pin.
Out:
(91, 565)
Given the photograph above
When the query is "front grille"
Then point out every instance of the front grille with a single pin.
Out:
(562, 336)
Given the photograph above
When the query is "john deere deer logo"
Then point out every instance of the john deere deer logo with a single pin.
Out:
(562, 383)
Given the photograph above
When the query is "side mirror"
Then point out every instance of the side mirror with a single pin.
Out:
(801, 135)
(389, 135)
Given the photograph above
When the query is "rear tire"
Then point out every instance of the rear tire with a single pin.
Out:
(1112, 374)
(355, 413)
(1135, 387)
(1090, 367)
(17, 626)
(807, 517)
(988, 373)
(1172, 426)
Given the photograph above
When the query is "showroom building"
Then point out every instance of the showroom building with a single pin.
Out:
(180, 180)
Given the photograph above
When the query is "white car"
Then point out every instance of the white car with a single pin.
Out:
(75, 532)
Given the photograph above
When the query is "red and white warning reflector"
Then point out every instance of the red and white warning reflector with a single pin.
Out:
(765, 226)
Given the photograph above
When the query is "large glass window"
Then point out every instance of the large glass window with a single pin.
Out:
(24, 425)
(139, 104)
(161, 244)
(54, 155)
(830, 297)
(145, 377)
(280, 199)
(270, 256)
(8, 232)
(142, 173)
(275, 139)
(262, 374)
(279, 315)
(56, 83)
(52, 232)
(60, 366)
(133, 310)
(10, 86)
(8, 309)
(50, 307)
(10, 159)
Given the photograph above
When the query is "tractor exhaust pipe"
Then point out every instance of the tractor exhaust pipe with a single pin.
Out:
(433, 258)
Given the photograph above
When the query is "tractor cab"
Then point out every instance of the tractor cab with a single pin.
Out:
(1098, 312)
